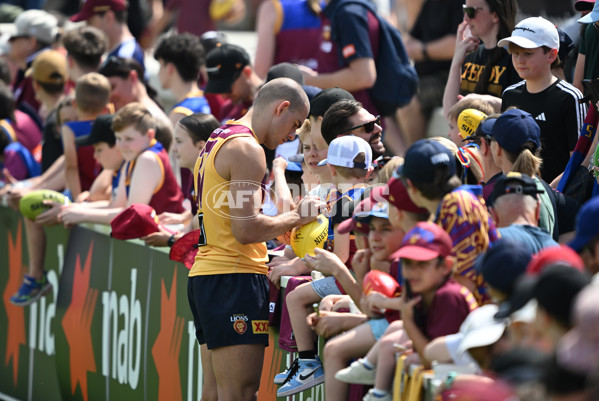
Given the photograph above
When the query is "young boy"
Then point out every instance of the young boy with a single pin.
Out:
(455, 131)
(35, 283)
(92, 93)
(349, 159)
(554, 103)
(429, 175)
(181, 56)
(85, 46)
(146, 177)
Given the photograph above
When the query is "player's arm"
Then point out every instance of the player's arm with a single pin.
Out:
(70, 157)
(242, 162)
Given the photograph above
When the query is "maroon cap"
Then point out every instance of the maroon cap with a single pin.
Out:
(425, 241)
(396, 194)
(552, 255)
(91, 7)
(184, 250)
(136, 221)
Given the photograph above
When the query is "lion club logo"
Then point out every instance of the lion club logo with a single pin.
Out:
(240, 326)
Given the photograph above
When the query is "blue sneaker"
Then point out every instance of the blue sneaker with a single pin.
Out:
(281, 378)
(31, 290)
(309, 373)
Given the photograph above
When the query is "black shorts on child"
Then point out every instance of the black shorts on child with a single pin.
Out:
(229, 309)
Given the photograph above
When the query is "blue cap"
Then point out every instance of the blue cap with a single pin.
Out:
(422, 158)
(503, 264)
(514, 128)
(586, 224)
(486, 127)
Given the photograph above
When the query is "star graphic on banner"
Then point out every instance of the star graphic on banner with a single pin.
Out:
(15, 314)
(77, 323)
(168, 345)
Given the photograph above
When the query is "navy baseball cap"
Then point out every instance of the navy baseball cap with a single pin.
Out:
(101, 132)
(503, 264)
(514, 183)
(586, 224)
(422, 158)
(484, 129)
(514, 128)
(224, 65)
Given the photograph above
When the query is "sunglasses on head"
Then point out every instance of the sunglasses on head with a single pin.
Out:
(368, 127)
(470, 11)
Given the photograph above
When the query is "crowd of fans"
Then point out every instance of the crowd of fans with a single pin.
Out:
(489, 231)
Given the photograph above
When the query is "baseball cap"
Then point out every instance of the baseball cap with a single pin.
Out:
(425, 241)
(212, 39)
(224, 65)
(49, 67)
(91, 7)
(584, 5)
(422, 158)
(343, 150)
(325, 99)
(137, 221)
(552, 255)
(554, 289)
(578, 350)
(514, 183)
(481, 328)
(533, 32)
(503, 264)
(185, 248)
(101, 132)
(591, 17)
(396, 194)
(565, 44)
(468, 121)
(285, 70)
(38, 24)
(514, 128)
(586, 224)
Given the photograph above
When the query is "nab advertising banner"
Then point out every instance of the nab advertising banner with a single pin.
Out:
(116, 325)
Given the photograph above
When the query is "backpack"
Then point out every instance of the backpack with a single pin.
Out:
(396, 78)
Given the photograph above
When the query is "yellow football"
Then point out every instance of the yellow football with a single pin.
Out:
(306, 238)
(32, 204)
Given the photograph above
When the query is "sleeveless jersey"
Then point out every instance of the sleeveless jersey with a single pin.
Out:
(194, 102)
(167, 196)
(89, 168)
(219, 252)
(298, 31)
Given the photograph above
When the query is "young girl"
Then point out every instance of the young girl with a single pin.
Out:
(431, 305)
(146, 177)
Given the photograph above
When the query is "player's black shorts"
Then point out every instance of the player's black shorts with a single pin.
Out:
(229, 309)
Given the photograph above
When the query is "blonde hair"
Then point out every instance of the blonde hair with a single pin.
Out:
(92, 93)
(469, 103)
(525, 162)
(133, 114)
(386, 172)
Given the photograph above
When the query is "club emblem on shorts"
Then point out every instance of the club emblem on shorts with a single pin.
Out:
(240, 326)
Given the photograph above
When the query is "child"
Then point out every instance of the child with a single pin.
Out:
(429, 175)
(349, 159)
(432, 304)
(92, 93)
(454, 112)
(553, 103)
(146, 177)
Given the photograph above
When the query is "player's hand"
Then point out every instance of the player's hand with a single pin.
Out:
(309, 208)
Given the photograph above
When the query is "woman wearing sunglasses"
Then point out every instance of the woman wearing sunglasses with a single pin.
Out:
(478, 65)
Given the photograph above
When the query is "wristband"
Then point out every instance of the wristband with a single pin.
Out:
(170, 241)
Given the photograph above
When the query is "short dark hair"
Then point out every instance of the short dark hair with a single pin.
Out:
(7, 103)
(441, 184)
(199, 126)
(185, 51)
(119, 16)
(336, 119)
(85, 45)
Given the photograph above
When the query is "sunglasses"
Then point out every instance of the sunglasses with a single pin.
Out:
(368, 127)
(470, 11)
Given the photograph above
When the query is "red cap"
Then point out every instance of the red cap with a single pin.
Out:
(91, 7)
(552, 255)
(468, 389)
(136, 221)
(184, 250)
(396, 194)
(425, 241)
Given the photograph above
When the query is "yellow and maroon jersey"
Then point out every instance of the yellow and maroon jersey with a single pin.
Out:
(219, 252)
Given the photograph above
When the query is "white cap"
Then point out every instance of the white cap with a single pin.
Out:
(37, 23)
(481, 328)
(343, 151)
(533, 32)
